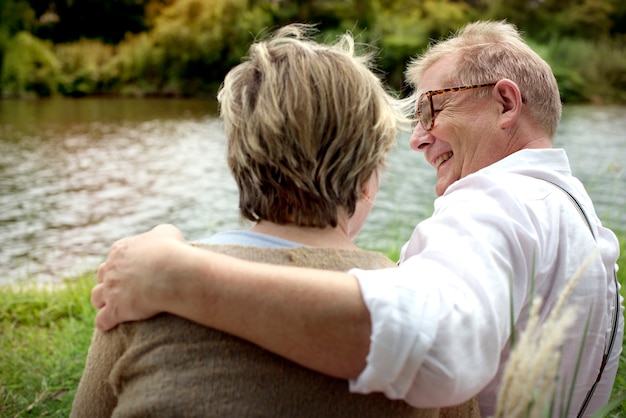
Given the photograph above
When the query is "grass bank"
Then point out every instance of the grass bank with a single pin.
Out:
(44, 338)
(45, 334)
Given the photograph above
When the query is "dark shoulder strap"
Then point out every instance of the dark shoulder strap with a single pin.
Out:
(578, 206)
(608, 345)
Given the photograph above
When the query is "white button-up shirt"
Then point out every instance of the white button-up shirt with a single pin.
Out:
(441, 322)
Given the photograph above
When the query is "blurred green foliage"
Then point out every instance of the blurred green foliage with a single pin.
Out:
(186, 47)
(29, 65)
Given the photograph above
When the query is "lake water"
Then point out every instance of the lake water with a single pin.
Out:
(76, 175)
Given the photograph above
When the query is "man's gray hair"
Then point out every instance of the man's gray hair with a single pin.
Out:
(488, 52)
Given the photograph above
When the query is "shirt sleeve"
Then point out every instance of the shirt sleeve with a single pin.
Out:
(440, 320)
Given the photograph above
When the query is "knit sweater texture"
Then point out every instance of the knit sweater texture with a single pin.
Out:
(167, 366)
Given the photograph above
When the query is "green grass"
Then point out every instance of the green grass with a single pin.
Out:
(44, 337)
(45, 334)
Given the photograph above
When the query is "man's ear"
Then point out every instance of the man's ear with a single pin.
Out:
(507, 93)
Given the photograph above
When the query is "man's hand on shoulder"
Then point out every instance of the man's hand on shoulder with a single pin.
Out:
(134, 276)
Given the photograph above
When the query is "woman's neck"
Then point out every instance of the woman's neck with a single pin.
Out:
(328, 237)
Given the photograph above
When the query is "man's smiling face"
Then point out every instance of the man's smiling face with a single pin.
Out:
(463, 138)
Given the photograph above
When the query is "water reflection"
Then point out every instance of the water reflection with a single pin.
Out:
(75, 175)
(595, 140)
(68, 190)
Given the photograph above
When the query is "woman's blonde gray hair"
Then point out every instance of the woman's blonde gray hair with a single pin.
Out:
(488, 52)
(307, 124)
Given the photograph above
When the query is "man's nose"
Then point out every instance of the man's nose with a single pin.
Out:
(420, 139)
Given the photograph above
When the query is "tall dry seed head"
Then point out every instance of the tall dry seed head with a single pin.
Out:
(530, 378)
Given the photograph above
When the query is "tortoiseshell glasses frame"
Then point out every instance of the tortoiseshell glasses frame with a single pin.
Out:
(426, 111)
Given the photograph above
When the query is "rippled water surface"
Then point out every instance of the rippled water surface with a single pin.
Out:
(75, 175)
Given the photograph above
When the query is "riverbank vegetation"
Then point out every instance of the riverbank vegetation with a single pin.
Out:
(185, 47)
(46, 333)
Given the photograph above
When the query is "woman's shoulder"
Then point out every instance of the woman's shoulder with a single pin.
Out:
(324, 258)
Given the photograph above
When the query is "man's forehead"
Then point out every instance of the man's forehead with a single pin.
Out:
(424, 88)
(436, 76)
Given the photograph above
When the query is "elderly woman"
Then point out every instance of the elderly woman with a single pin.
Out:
(309, 127)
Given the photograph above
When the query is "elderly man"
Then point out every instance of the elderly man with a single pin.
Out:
(510, 223)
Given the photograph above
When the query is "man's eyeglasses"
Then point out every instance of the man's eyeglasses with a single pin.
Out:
(425, 109)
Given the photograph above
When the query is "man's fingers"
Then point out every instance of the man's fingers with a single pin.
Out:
(97, 298)
(100, 272)
(103, 320)
(130, 260)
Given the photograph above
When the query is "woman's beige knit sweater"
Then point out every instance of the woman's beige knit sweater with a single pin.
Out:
(170, 367)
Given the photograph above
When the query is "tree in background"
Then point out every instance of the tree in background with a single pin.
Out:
(185, 47)
(404, 28)
(547, 19)
(70, 20)
(29, 65)
(190, 48)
